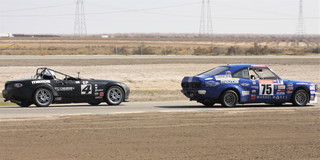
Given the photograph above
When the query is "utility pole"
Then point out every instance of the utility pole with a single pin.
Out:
(300, 24)
(206, 29)
(80, 28)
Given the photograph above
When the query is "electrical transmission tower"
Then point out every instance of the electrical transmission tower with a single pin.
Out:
(300, 25)
(80, 20)
(206, 20)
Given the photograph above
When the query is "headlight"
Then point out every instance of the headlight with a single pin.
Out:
(17, 85)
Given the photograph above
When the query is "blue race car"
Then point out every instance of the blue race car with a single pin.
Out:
(246, 83)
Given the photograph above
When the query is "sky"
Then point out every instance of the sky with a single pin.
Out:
(158, 16)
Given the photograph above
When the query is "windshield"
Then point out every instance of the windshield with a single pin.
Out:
(215, 71)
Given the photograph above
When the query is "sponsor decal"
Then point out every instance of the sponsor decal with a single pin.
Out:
(289, 88)
(98, 97)
(255, 87)
(282, 87)
(289, 85)
(211, 83)
(272, 97)
(254, 82)
(281, 93)
(58, 98)
(311, 97)
(101, 94)
(40, 81)
(222, 77)
(230, 81)
(63, 89)
(253, 97)
(77, 82)
(228, 72)
(245, 84)
(99, 90)
(245, 93)
(289, 92)
(86, 89)
(266, 89)
(96, 93)
(254, 91)
(208, 79)
(258, 66)
(312, 92)
(302, 83)
(270, 81)
(312, 87)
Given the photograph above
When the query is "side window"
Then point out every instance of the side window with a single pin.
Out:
(243, 73)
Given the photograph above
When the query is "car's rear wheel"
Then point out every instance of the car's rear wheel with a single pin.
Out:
(300, 98)
(114, 95)
(42, 97)
(229, 98)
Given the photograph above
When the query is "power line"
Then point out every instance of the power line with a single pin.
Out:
(36, 8)
(80, 28)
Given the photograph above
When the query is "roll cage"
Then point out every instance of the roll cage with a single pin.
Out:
(40, 74)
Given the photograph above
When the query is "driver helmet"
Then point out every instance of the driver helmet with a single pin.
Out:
(48, 75)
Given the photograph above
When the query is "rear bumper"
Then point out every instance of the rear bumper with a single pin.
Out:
(194, 94)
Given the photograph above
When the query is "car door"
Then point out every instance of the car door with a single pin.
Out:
(67, 89)
(244, 84)
(269, 88)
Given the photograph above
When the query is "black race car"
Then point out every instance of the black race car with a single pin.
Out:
(50, 86)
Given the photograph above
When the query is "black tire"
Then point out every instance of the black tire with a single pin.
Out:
(300, 98)
(24, 104)
(42, 97)
(208, 104)
(94, 103)
(229, 98)
(114, 95)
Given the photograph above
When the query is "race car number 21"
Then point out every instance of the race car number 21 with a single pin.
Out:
(86, 89)
(266, 89)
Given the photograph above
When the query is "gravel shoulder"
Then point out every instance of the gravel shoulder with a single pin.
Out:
(247, 134)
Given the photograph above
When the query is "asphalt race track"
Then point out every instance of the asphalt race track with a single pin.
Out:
(57, 110)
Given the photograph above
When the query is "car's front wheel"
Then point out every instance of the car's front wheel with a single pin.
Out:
(114, 95)
(300, 98)
(42, 97)
(229, 98)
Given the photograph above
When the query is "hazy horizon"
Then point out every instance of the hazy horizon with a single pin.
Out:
(158, 16)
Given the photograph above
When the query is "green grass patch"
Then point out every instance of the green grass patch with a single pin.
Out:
(7, 104)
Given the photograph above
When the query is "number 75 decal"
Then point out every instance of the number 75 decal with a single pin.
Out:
(266, 89)
(86, 89)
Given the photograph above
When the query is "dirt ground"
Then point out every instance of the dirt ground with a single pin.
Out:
(240, 134)
(154, 78)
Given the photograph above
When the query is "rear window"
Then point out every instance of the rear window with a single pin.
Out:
(215, 71)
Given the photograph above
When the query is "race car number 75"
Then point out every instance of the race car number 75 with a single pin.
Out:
(266, 89)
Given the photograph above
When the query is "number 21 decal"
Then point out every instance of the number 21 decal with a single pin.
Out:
(266, 89)
(86, 89)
